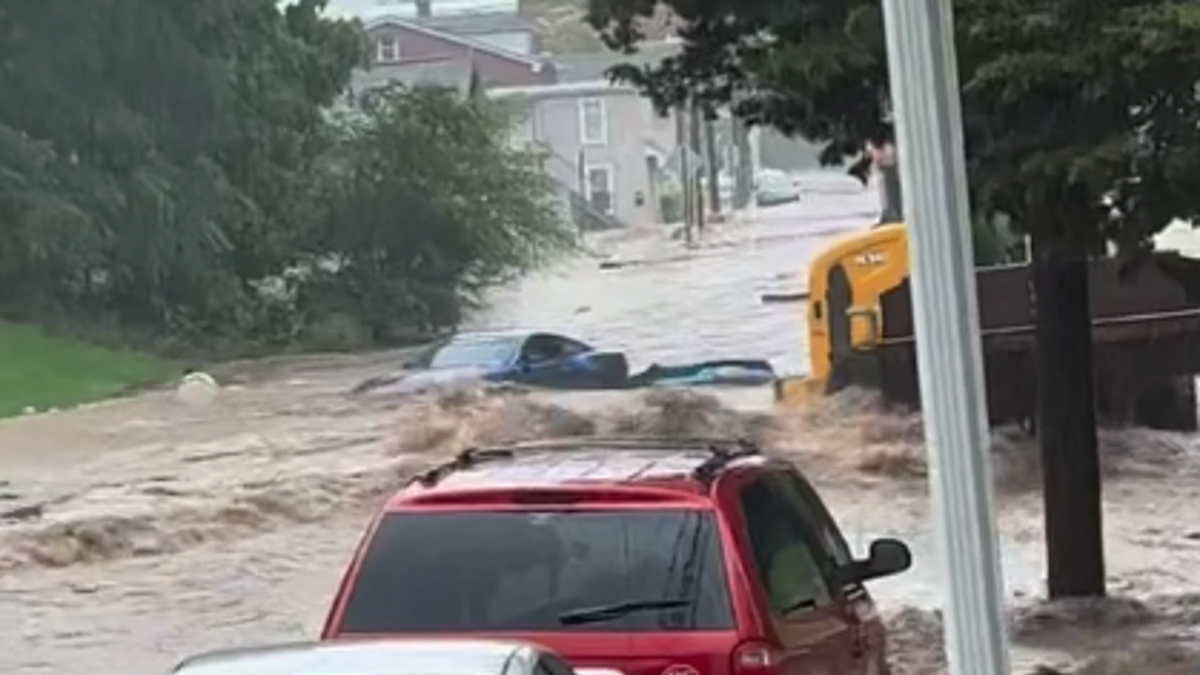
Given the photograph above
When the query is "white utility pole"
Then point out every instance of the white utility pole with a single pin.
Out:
(928, 117)
(755, 170)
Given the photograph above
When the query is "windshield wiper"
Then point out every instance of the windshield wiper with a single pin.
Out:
(616, 610)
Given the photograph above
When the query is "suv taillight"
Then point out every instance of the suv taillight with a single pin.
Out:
(754, 658)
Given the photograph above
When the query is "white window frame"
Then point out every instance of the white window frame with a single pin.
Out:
(392, 43)
(610, 170)
(602, 105)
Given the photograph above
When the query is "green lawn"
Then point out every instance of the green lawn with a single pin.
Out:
(43, 371)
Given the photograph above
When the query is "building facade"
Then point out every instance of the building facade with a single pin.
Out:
(399, 42)
(607, 151)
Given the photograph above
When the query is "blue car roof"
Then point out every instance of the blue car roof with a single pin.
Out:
(493, 334)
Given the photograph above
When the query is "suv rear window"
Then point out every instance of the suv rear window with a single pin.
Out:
(520, 571)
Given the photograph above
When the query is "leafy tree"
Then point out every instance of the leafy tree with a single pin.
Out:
(174, 171)
(1082, 125)
(991, 243)
(148, 149)
(425, 205)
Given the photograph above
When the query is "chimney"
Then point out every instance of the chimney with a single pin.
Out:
(424, 9)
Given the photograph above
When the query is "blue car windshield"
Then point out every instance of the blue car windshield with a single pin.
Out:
(476, 351)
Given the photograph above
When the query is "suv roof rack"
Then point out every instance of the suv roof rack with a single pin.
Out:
(721, 452)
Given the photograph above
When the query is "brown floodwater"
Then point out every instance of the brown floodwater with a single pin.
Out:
(144, 530)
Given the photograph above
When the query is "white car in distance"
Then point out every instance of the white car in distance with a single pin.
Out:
(386, 657)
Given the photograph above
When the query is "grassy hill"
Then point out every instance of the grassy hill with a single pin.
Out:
(42, 371)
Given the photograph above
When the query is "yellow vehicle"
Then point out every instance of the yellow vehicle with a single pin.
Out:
(845, 284)
(861, 333)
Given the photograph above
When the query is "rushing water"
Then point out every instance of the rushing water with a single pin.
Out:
(705, 304)
(150, 530)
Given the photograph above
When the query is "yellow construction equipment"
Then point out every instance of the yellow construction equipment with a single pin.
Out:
(860, 332)
(845, 283)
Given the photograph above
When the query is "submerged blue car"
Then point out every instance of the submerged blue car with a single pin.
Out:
(552, 361)
(519, 357)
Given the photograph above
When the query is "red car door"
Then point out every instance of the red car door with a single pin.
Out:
(807, 618)
(867, 654)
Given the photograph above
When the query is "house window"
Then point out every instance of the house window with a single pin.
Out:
(600, 188)
(387, 49)
(593, 121)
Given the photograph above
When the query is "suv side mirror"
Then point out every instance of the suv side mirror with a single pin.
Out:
(887, 557)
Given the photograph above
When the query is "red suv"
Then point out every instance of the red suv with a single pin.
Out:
(646, 556)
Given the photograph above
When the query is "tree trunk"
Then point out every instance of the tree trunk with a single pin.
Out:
(713, 164)
(685, 172)
(744, 188)
(696, 142)
(1067, 422)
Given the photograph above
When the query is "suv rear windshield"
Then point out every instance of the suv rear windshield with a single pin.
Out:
(521, 571)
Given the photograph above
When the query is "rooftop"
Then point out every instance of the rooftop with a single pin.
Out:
(368, 9)
(471, 42)
(681, 463)
(594, 66)
(484, 23)
(567, 89)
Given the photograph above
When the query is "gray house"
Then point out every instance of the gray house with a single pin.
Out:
(602, 140)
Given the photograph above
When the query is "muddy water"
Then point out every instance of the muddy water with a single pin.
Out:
(149, 530)
(665, 306)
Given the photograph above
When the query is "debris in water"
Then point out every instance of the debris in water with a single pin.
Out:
(197, 389)
(23, 513)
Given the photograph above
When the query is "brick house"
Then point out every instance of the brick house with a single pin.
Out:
(494, 58)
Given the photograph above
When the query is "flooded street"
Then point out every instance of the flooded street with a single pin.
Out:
(668, 307)
(145, 530)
